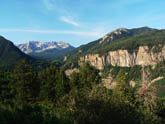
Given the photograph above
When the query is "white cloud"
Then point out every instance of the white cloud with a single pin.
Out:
(57, 6)
(80, 33)
(69, 20)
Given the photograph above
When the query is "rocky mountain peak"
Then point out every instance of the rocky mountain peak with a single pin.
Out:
(119, 31)
(39, 46)
(124, 32)
(115, 34)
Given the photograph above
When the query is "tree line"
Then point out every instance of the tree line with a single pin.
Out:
(48, 96)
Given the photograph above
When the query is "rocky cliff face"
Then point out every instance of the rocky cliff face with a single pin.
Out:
(142, 56)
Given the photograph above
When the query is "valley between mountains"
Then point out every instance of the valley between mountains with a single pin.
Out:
(118, 79)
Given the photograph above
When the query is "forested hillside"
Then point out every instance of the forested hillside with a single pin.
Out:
(119, 39)
(49, 96)
(10, 54)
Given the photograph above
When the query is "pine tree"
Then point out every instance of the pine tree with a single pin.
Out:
(26, 84)
(54, 84)
(88, 75)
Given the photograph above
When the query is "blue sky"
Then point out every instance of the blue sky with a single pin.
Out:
(75, 21)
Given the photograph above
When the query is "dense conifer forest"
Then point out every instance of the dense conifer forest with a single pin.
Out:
(48, 96)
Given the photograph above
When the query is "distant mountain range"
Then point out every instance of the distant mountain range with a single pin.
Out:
(120, 39)
(46, 50)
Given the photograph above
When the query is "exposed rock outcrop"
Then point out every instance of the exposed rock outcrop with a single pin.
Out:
(116, 34)
(142, 56)
(70, 71)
